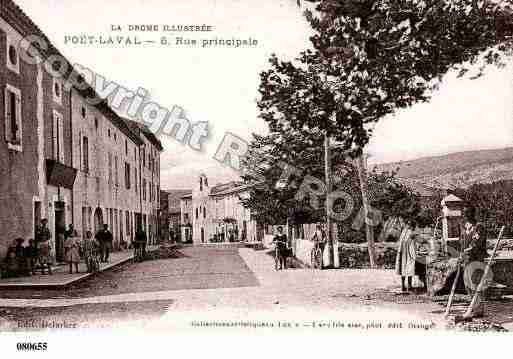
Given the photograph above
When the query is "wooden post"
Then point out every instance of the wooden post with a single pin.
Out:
(369, 232)
(327, 171)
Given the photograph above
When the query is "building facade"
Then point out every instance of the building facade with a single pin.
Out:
(186, 218)
(66, 159)
(149, 177)
(36, 141)
(171, 214)
(216, 214)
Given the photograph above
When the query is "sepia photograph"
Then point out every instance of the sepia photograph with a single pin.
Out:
(271, 167)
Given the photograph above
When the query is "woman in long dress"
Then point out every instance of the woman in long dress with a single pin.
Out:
(44, 247)
(406, 255)
(72, 254)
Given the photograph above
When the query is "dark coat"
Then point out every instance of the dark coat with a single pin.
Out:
(474, 241)
(104, 236)
(140, 237)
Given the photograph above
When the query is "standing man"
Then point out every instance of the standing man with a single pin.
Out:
(43, 237)
(473, 246)
(104, 238)
(140, 239)
(280, 240)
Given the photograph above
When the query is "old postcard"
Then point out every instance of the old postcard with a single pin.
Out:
(272, 166)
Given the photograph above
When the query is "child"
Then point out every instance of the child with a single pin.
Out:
(71, 254)
(10, 264)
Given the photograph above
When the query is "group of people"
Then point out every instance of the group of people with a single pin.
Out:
(24, 258)
(472, 255)
(283, 250)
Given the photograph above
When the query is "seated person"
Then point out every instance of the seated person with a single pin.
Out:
(22, 258)
(10, 264)
(31, 254)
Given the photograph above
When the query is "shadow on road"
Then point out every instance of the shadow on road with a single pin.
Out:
(68, 317)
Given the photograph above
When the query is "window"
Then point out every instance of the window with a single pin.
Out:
(83, 111)
(135, 179)
(144, 189)
(108, 132)
(13, 121)
(196, 213)
(96, 123)
(58, 137)
(127, 175)
(116, 166)
(144, 157)
(13, 61)
(204, 212)
(85, 154)
(57, 91)
(128, 229)
(109, 160)
(126, 148)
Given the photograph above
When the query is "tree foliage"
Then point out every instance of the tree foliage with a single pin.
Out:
(373, 57)
(494, 204)
(273, 201)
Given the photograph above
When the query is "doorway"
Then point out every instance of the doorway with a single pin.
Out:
(98, 219)
(60, 227)
(37, 217)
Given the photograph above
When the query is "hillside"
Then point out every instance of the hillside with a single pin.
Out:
(461, 169)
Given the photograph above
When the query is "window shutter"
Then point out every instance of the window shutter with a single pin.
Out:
(18, 119)
(61, 139)
(8, 111)
(54, 137)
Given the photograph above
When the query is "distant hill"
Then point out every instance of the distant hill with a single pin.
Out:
(461, 169)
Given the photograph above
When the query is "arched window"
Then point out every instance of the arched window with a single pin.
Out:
(204, 212)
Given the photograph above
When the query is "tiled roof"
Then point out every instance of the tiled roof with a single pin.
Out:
(419, 188)
(136, 125)
(187, 195)
(233, 189)
(223, 187)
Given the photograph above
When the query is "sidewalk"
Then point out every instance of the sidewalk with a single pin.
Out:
(61, 277)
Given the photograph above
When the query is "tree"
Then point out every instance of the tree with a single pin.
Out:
(373, 57)
(272, 201)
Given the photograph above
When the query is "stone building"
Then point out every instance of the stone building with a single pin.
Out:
(186, 217)
(216, 214)
(149, 178)
(64, 158)
(37, 174)
(108, 154)
(171, 214)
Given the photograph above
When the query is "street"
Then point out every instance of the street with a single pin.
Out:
(221, 283)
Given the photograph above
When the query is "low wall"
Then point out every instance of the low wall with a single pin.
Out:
(302, 250)
(267, 240)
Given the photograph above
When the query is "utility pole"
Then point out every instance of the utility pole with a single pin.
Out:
(329, 189)
(361, 164)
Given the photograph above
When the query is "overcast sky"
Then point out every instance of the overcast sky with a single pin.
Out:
(220, 85)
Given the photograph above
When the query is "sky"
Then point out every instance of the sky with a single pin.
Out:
(220, 85)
